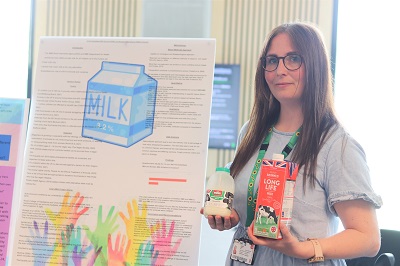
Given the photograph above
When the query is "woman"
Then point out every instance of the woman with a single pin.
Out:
(293, 93)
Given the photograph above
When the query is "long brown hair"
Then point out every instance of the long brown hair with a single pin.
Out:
(317, 101)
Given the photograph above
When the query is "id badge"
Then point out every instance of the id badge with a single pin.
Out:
(243, 250)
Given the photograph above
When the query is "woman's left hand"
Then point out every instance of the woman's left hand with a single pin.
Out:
(288, 245)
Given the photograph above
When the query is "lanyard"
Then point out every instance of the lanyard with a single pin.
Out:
(251, 198)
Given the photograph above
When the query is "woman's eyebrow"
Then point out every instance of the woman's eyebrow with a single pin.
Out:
(288, 53)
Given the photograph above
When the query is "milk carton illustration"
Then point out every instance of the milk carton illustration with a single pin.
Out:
(120, 104)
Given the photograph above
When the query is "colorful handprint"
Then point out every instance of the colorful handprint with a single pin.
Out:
(68, 213)
(137, 229)
(118, 255)
(146, 255)
(41, 248)
(163, 243)
(99, 236)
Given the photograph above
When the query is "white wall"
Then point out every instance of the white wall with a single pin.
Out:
(367, 91)
(14, 52)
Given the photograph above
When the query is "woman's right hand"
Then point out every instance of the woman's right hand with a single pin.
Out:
(222, 223)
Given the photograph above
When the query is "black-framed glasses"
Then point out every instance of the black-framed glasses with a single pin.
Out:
(291, 62)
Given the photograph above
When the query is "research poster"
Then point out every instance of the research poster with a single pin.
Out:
(13, 126)
(116, 152)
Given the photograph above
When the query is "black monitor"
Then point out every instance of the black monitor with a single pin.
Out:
(225, 107)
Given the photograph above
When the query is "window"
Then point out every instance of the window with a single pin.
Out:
(367, 91)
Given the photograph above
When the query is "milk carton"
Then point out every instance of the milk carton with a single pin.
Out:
(120, 104)
(275, 196)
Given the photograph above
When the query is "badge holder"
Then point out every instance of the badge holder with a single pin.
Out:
(243, 250)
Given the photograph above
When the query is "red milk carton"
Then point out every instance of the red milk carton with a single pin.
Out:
(275, 196)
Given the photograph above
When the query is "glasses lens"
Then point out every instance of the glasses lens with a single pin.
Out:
(271, 63)
(292, 62)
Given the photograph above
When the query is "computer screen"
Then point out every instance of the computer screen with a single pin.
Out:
(225, 107)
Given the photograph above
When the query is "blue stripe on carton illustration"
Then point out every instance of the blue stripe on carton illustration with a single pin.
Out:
(120, 104)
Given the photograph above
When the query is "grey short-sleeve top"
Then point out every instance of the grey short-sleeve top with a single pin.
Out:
(342, 174)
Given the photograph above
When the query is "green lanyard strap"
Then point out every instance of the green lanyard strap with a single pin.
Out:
(251, 198)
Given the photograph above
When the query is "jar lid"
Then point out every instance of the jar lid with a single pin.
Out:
(222, 169)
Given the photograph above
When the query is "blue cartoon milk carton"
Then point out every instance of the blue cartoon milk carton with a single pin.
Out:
(120, 104)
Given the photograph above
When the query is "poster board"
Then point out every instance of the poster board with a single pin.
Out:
(13, 126)
(116, 152)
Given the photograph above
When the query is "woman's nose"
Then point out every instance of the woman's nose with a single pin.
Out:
(281, 69)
